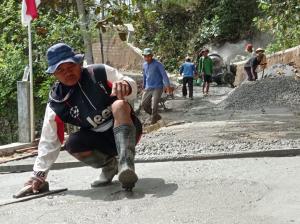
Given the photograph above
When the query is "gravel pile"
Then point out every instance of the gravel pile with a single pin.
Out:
(174, 147)
(279, 70)
(278, 88)
(278, 91)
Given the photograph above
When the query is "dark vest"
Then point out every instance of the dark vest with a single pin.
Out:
(88, 103)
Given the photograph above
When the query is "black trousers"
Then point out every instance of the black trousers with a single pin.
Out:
(189, 81)
(88, 140)
(249, 74)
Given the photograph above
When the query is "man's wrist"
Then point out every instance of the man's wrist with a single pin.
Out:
(39, 175)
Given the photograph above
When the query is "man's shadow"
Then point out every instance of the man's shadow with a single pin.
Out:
(156, 187)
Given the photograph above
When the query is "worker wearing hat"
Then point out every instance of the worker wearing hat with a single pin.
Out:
(262, 57)
(95, 99)
(155, 79)
(252, 64)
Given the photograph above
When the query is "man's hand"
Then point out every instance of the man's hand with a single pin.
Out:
(36, 184)
(168, 89)
(120, 89)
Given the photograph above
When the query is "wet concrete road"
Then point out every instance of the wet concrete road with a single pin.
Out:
(241, 191)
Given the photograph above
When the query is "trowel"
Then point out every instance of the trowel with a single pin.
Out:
(26, 194)
(27, 190)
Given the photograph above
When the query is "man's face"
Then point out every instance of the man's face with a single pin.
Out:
(68, 73)
(148, 58)
(205, 53)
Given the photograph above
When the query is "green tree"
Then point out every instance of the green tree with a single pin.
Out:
(55, 24)
(282, 19)
(176, 28)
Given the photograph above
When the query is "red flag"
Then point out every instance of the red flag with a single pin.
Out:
(29, 10)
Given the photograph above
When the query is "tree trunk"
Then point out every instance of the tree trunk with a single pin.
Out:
(85, 34)
(101, 46)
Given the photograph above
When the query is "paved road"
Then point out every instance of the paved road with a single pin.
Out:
(241, 191)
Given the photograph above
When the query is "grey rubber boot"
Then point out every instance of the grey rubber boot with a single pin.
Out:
(125, 138)
(107, 174)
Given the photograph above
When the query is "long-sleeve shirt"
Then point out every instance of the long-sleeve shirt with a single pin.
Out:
(78, 105)
(187, 69)
(205, 65)
(155, 76)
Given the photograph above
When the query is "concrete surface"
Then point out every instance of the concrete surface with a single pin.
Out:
(65, 160)
(242, 191)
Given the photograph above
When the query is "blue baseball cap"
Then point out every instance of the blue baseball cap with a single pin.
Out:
(61, 53)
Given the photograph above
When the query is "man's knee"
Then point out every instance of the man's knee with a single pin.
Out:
(121, 107)
(145, 103)
(72, 144)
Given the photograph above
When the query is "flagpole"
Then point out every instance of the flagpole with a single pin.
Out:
(32, 132)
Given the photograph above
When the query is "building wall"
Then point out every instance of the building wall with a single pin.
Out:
(117, 53)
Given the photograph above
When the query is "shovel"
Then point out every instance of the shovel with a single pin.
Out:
(263, 72)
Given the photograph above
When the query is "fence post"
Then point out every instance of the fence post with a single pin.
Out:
(24, 130)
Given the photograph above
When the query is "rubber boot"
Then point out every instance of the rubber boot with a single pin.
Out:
(97, 159)
(107, 174)
(155, 118)
(125, 138)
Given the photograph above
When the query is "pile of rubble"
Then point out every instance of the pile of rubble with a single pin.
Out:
(280, 70)
(170, 145)
(279, 87)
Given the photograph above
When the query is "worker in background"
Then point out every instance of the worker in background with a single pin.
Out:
(188, 72)
(205, 69)
(155, 79)
(249, 51)
(252, 64)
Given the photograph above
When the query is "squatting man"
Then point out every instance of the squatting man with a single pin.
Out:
(94, 98)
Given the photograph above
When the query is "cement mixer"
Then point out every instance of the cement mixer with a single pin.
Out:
(222, 73)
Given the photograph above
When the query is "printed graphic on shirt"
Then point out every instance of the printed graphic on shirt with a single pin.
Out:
(74, 112)
(99, 119)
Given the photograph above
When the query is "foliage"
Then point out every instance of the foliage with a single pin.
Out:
(176, 28)
(8, 88)
(282, 19)
(234, 19)
(53, 25)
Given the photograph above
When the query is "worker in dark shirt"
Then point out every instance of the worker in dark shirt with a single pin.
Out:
(251, 66)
